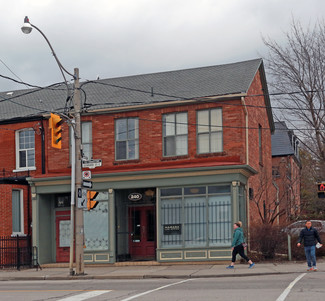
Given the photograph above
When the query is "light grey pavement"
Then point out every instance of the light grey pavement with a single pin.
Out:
(172, 271)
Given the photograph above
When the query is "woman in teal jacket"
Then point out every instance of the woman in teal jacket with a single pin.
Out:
(237, 246)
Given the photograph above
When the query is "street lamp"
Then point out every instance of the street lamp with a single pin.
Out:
(76, 169)
(27, 29)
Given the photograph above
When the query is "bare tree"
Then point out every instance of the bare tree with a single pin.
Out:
(311, 206)
(267, 209)
(297, 73)
(280, 201)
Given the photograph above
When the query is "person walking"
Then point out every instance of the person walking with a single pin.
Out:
(237, 246)
(309, 235)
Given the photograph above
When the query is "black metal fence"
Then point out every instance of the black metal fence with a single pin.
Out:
(198, 223)
(15, 252)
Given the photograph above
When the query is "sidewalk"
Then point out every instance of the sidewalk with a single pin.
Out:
(176, 271)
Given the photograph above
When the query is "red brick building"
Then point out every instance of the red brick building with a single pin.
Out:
(286, 170)
(180, 152)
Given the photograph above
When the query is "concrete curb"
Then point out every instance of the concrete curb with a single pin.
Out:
(120, 277)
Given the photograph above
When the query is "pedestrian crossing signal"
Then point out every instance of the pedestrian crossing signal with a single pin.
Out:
(321, 190)
(91, 195)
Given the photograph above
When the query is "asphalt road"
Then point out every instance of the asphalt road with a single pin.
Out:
(309, 286)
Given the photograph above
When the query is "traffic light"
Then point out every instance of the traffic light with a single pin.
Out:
(91, 195)
(321, 190)
(55, 123)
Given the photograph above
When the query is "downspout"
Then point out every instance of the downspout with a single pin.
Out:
(43, 147)
(247, 159)
(29, 222)
(246, 127)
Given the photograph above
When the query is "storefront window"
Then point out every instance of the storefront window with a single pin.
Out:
(96, 225)
(195, 221)
(200, 216)
(219, 220)
(171, 219)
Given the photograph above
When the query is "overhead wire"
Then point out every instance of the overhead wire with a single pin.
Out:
(12, 71)
(202, 99)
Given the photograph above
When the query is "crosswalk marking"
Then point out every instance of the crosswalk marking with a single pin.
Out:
(154, 290)
(85, 296)
(286, 292)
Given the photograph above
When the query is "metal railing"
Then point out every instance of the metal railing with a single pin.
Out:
(201, 224)
(15, 252)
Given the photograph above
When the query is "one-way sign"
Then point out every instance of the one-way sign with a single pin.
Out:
(87, 184)
(82, 198)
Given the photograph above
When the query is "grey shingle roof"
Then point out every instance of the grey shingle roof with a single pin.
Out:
(133, 90)
(281, 140)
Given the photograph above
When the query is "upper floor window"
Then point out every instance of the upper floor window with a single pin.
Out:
(209, 131)
(175, 134)
(86, 139)
(260, 146)
(25, 149)
(127, 139)
(17, 212)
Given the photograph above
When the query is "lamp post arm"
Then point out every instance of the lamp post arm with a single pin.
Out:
(53, 52)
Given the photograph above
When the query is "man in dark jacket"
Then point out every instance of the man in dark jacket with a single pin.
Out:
(310, 237)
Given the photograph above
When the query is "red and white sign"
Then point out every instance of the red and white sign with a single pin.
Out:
(86, 175)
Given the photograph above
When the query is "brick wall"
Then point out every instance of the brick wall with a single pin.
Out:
(261, 183)
(6, 208)
(150, 140)
(287, 178)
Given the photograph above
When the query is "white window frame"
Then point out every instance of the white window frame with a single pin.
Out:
(175, 127)
(127, 140)
(89, 138)
(71, 132)
(209, 129)
(18, 167)
(21, 204)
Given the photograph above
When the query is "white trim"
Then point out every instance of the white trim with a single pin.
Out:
(24, 169)
(18, 168)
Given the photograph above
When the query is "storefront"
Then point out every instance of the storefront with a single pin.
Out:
(166, 215)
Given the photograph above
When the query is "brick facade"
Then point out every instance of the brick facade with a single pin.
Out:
(150, 142)
(241, 149)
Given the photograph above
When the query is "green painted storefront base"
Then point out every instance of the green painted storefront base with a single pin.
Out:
(170, 255)
(98, 257)
(173, 255)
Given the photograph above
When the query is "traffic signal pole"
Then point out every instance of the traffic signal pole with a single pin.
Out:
(79, 222)
(78, 231)
(73, 195)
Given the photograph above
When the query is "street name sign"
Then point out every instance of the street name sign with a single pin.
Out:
(92, 163)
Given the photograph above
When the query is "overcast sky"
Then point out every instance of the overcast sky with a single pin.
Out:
(111, 38)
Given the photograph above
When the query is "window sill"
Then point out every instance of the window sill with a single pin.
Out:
(206, 155)
(122, 162)
(24, 169)
(20, 234)
(171, 158)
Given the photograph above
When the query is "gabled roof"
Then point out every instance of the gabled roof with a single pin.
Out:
(219, 80)
(282, 143)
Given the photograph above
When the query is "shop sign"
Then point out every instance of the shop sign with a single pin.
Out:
(135, 196)
(173, 229)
